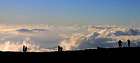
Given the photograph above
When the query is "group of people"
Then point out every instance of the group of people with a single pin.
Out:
(120, 43)
(25, 48)
(61, 48)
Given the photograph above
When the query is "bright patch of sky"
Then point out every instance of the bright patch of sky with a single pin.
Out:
(70, 11)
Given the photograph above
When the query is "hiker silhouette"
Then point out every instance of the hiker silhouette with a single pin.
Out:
(25, 48)
(60, 48)
(120, 43)
(128, 42)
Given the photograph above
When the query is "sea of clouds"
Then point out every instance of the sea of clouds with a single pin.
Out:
(46, 38)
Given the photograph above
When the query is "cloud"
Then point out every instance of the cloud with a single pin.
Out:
(69, 37)
(17, 46)
(128, 32)
(24, 30)
(31, 30)
(101, 36)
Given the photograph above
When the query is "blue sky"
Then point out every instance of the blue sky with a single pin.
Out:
(70, 11)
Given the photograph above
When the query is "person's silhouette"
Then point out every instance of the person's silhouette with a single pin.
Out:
(24, 48)
(120, 43)
(60, 48)
(128, 42)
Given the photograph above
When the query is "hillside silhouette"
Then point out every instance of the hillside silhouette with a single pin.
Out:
(64, 56)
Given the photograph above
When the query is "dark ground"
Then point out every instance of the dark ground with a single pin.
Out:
(68, 56)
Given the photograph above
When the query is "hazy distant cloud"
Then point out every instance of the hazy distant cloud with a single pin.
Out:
(22, 17)
(128, 32)
(24, 30)
(30, 30)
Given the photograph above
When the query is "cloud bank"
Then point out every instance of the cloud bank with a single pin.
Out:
(106, 37)
(44, 38)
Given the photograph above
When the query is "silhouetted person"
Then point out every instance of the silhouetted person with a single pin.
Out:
(128, 42)
(25, 48)
(120, 43)
(60, 48)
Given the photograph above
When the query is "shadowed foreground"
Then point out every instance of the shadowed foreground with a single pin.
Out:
(80, 55)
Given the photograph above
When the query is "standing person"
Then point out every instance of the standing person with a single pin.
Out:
(120, 43)
(24, 48)
(128, 42)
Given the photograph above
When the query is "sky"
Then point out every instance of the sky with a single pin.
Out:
(70, 11)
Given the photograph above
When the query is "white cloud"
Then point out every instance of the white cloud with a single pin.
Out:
(101, 36)
(47, 38)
